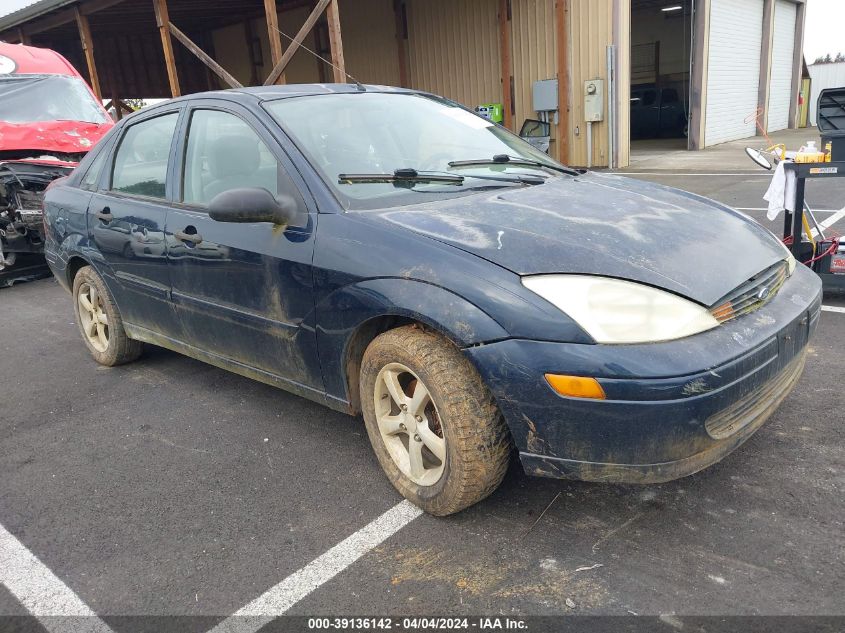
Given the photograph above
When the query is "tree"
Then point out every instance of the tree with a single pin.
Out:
(137, 104)
(839, 57)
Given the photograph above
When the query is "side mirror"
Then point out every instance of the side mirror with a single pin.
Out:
(758, 157)
(252, 205)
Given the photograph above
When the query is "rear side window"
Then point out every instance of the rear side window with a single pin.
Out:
(224, 153)
(92, 176)
(140, 165)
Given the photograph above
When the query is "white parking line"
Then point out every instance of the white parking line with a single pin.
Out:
(833, 309)
(277, 600)
(766, 209)
(42, 593)
(833, 219)
(670, 173)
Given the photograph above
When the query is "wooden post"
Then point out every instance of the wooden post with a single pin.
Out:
(505, 53)
(118, 111)
(276, 49)
(163, 23)
(204, 57)
(336, 42)
(562, 80)
(279, 68)
(23, 37)
(401, 15)
(88, 50)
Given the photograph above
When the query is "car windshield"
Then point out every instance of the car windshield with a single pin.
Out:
(33, 98)
(379, 133)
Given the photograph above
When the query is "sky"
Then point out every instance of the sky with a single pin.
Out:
(824, 31)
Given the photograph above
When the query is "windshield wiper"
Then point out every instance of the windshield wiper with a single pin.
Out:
(505, 159)
(408, 175)
(400, 176)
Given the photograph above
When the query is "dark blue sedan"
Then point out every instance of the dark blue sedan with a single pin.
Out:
(391, 254)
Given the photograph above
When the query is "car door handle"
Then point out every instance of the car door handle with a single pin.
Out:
(193, 238)
(104, 215)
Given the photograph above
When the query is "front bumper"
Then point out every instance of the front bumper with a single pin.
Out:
(672, 408)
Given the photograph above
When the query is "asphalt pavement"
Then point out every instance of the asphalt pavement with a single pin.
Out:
(169, 487)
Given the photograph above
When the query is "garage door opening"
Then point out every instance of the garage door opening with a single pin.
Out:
(661, 49)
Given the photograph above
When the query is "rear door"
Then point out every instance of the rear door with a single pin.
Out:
(243, 291)
(126, 220)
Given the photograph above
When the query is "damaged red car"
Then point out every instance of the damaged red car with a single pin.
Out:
(49, 120)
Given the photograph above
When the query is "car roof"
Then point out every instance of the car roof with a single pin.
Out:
(32, 60)
(255, 94)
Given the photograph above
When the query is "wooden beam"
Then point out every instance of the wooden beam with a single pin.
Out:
(562, 40)
(88, 50)
(163, 23)
(505, 53)
(336, 42)
(251, 40)
(279, 68)
(400, 13)
(276, 49)
(66, 17)
(23, 37)
(203, 56)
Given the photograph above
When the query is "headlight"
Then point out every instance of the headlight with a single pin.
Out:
(791, 263)
(616, 311)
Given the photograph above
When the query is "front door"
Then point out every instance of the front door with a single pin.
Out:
(243, 291)
(126, 220)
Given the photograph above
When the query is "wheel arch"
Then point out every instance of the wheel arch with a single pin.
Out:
(74, 264)
(351, 317)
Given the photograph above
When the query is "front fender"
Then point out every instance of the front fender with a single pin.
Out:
(341, 314)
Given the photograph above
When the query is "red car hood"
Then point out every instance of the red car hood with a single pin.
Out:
(68, 137)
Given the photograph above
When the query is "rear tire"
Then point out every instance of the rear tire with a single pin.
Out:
(421, 396)
(99, 321)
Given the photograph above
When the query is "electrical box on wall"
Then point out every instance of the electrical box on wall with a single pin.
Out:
(594, 100)
(544, 95)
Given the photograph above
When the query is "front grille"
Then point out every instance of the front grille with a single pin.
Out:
(752, 295)
(756, 407)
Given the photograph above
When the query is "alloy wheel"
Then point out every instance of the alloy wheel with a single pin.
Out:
(410, 425)
(93, 317)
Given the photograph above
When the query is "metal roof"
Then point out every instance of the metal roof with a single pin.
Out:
(31, 11)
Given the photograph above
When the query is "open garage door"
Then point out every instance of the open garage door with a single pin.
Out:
(733, 70)
(783, 64)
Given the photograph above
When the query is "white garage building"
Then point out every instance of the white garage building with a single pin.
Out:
(737, 63)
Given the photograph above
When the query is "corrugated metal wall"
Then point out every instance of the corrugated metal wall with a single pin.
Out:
(230, 49)
(370, 53)
(369, 41)
(534, 49)
(453, 49)
(590, 32)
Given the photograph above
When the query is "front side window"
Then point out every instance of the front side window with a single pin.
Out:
(140, 165)
(379, 133)
(223, 153)
(32, 98)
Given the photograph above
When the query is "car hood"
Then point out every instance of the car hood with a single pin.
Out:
(67, 137)
(603, 225)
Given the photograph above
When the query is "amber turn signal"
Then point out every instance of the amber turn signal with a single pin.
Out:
(576, 386)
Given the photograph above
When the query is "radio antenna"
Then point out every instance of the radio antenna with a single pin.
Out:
(357, 83)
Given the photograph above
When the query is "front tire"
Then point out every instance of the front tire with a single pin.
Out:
(99, 321)
(432, 421)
